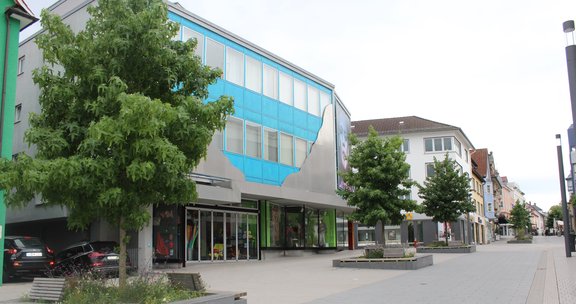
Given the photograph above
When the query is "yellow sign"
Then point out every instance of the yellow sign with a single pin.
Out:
(409, 216)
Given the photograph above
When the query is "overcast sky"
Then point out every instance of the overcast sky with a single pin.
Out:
(496, 69)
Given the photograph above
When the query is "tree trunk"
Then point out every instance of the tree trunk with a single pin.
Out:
(467, 231)
(383, 234)
(446, 232)
(122, 276)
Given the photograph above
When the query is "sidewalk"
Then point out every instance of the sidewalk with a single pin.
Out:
(499, 272)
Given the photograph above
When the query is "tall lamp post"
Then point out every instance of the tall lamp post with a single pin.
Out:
(566, 231)
(568, 27)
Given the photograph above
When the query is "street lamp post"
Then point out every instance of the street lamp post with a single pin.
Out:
(568, 27)
(566, 230)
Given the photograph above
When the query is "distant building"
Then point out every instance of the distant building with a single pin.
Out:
(492, 187)
(425, 140)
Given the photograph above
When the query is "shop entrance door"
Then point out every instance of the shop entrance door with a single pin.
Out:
(221, 235)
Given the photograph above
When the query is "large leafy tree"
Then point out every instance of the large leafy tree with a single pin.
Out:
(555, 213)
(123, 120)
(520, 218)
(379, 182)
(446, 193)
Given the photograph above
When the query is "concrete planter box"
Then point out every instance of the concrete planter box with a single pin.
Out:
(459, 249)
(519, 242)
(217, 297)
(413, 263)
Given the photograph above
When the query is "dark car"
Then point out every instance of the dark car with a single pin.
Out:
(100, 258)
(26, 256)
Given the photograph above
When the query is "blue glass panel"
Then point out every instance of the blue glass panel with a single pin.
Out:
(252, 101)
(269, 107)
(285, 112)
(270, 122)
(270, 172)
(285, 127)
(300, 118)
(253, 117)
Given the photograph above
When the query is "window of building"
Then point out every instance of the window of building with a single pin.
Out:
(253, 140)
(253, 74)
(313, 101)
(299, 95)
(234, 135)
(440, 144)
(17, 113)
(270, 82)
(430, 170)
(188, 33)
(458, 146)
(324, 101)
(214, 54)
(21, 65)
(286, 89)
(300, 151)
(234, 66)
(405, 145)
(286, 149)
(271, 145)
(447, 144)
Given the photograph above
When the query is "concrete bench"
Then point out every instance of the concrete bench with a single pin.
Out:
(190, 281)
(47, 289)
(393, 252)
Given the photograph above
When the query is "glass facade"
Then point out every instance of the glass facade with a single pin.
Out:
(221, 235)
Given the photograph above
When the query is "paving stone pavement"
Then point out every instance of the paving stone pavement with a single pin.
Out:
(498, 272)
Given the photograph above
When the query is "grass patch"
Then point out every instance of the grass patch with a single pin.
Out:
(141, 289)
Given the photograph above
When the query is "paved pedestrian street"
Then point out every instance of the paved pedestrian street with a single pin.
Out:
(496, 273)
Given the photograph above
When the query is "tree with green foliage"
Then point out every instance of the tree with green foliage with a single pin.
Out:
(124, 119)
(379, 182)
(446, 193)
(555, 213)
(520, 219)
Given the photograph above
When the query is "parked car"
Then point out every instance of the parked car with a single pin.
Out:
(100, 258)
(26, 256)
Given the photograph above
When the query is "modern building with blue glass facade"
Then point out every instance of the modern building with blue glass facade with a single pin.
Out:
(267, 186)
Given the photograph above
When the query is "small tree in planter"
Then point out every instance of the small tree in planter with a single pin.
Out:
(520, 219)
(446, 193)
(379, 181)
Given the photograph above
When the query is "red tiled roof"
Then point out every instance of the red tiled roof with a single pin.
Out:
(480, 156)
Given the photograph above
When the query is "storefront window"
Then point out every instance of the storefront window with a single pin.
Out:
(273, 225)
(205, 235)
(294, 232)
(166, 236)
(231, 236)
(242, 236)
(327, 228)
(311, 227)
(252, 237)
(192, 230)
(218, 241)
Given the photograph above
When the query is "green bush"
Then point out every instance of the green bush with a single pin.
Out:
(142, 289)
(374, 253)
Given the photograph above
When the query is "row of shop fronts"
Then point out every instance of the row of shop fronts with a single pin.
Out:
(200, 233)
